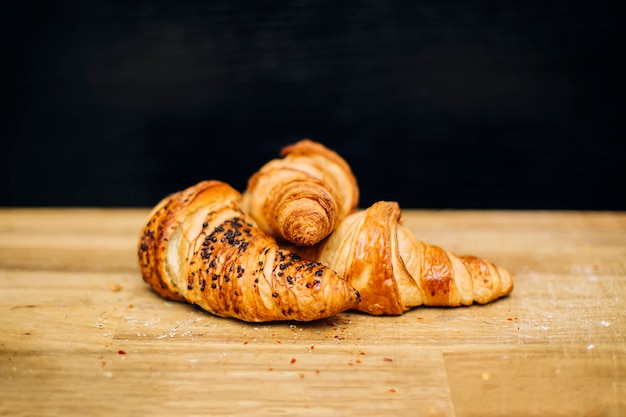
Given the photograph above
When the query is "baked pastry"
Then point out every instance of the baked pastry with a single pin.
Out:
(301, 196)
(198, 246)
(394, 271)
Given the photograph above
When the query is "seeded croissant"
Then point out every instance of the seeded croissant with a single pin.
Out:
(301, 197)
(394, 271)
(198, 246)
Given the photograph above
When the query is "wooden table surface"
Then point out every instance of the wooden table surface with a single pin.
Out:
(81, 334)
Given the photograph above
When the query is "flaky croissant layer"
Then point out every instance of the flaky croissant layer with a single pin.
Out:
(199, 246)
(394, 271)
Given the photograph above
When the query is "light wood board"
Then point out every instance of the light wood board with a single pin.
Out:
(82, 334)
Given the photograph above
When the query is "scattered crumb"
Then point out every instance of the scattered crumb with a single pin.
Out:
(151, 322)
(387, 360)
(114, 286)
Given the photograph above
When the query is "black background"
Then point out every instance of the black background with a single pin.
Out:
(435, 104)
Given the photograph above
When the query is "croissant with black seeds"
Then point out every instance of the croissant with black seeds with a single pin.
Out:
(200, 247)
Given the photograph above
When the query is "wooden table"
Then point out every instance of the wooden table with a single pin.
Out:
(81, 334)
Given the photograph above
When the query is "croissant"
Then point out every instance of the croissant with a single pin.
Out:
(200, 247)
(394, 271)
(301, 197)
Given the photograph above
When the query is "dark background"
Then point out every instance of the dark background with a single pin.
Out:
(435, 104)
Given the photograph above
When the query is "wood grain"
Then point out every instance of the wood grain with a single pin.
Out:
(79, 329)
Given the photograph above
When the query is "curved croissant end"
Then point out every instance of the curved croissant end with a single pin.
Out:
(301, 196)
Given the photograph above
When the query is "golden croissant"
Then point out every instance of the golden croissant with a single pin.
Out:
(199, 246)
(394, 271)
(301, 196)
